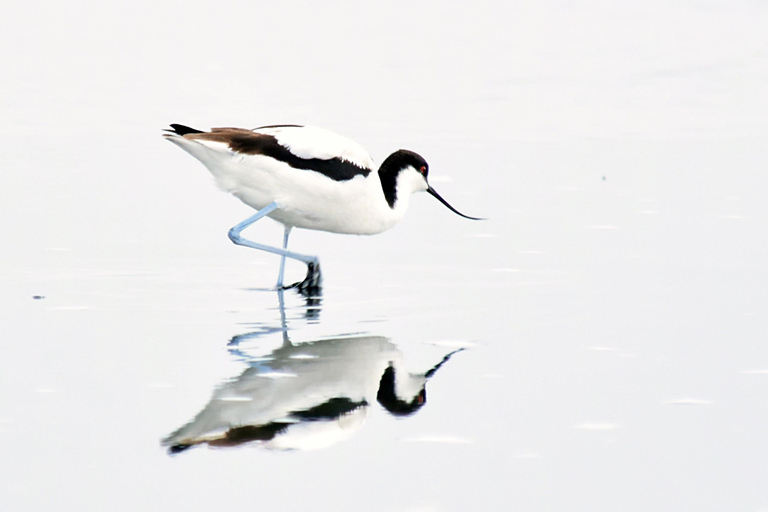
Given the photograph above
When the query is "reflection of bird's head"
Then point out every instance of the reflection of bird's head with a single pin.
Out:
(412, 396)
(404, 395)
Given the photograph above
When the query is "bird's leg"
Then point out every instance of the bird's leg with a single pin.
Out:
(311, 283)
(282, 258)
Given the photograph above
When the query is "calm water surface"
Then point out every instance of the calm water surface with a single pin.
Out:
(606, 325)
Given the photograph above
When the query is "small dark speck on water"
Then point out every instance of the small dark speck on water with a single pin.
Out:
(38, 297)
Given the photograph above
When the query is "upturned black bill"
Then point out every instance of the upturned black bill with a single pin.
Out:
(454, 210)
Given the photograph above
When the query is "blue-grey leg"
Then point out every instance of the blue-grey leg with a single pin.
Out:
(282, 258)
(313, 273)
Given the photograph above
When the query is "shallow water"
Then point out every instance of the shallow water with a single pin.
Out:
(611, 310)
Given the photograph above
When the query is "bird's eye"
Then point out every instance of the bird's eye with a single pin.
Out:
(423, 169)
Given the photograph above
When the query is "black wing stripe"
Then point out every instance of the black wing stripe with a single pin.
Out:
(267, 145)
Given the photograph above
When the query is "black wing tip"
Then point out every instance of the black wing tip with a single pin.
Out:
(180, 129)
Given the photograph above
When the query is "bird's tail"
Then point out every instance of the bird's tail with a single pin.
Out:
(216, 156)
(180, 129)
(202, 151)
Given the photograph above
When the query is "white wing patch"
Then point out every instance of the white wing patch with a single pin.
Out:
(314, 142)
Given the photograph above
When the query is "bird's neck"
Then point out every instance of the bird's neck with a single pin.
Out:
(388, 178)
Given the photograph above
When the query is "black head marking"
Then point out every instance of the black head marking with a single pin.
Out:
(391, 167)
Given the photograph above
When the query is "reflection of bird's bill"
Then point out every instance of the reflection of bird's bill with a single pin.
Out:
(434, 369)
(437, 196)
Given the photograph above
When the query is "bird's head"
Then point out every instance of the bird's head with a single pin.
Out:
(405, 172)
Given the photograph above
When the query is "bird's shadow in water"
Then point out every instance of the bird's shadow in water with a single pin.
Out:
(305, 395)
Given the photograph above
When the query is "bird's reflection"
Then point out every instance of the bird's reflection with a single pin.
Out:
(306, 395)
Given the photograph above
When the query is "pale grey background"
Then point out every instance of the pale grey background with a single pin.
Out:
(614, 302)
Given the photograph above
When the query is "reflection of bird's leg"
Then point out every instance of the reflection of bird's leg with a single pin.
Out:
(283, 324)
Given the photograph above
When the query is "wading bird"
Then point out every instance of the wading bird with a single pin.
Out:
(307, 177)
